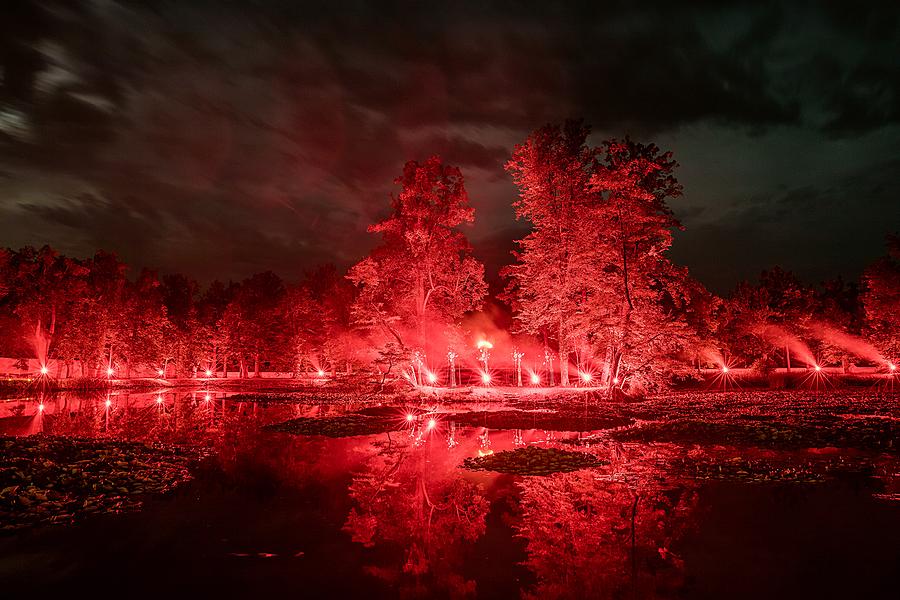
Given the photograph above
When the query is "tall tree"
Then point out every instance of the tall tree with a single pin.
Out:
(552, 170)
(422, 277)
(881, 299)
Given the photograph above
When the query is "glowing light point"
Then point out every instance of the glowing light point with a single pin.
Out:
(818, 368)
(892, 366)
(208, 372)
(108, 403)
(535, 378)
(586, 377)
(109, 371)
(40, 408)
(485, 378)
(484, 344)
(161, 372)
(431, 423)
(615, 381)
(432, 378)
(320, 372)
(44, 370)
(206, 397)
(410, 418)
(159, 399)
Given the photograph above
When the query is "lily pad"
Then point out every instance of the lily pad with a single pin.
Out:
(57, 479)
(533, 461)
(336, 427)
(552, 421)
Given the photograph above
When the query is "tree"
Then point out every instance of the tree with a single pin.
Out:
(422, 278)
(552, 170)
(639, 296)
(880, 299)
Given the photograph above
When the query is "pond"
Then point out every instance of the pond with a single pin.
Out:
(744, 495)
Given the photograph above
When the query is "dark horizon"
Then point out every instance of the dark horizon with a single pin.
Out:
(218, 141)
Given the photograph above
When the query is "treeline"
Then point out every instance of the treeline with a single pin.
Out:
(91, 317)
(591, 287)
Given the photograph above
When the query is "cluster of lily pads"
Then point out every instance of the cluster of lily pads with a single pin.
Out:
(336, 427)
(533, 461)
(58, 479)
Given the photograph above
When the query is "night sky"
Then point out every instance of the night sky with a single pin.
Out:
(223, 138)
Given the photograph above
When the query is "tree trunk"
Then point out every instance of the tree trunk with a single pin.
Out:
(787, 357)
(256, 365)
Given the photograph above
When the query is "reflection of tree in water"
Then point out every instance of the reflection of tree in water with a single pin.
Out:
(595, 535)
(421, 517)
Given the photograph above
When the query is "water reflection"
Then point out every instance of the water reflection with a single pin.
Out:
(396, 510)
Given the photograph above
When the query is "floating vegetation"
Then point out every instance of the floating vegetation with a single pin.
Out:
(336, 427)
(553, 421)
(865, 434)
(749, 471)
(533, 461)
(58, 479)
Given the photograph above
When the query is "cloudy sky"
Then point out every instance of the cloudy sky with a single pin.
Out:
(222, 138)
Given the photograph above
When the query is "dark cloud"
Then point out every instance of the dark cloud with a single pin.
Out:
(223, 138)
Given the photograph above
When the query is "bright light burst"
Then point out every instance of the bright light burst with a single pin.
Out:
(535, 378)
(485, 378)
(208, 372)
(109, 371)
(432, 378)
(586, 377)
(160, 372)
(44, 370)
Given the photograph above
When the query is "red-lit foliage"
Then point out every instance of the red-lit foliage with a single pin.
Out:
(881, 300)
(422, 279)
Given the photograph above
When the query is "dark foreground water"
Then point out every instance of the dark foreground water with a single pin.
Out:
(393, 514)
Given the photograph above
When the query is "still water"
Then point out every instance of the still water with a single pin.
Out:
(392, 514)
